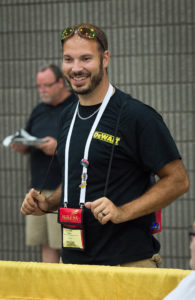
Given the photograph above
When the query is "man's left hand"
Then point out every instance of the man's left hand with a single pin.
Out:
(104, 210)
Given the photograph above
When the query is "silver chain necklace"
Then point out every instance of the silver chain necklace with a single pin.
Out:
(82, 118)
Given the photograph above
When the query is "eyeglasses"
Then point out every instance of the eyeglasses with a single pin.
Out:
(83, 31)
(47, 85)
(191, 232)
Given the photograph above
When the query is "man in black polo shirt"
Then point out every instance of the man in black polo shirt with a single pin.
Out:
(109, 147)
(43, 123)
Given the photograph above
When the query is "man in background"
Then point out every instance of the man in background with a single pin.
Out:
(43, 123)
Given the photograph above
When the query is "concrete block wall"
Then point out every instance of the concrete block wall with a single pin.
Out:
(152, 57)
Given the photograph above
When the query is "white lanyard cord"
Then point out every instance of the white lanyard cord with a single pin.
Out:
(67, 156)
(87, 146)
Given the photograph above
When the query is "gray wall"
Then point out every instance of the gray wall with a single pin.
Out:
(152, 52)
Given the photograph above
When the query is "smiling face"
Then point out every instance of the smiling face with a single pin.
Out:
(84, 65)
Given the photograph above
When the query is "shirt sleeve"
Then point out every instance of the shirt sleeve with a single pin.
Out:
(156, 145)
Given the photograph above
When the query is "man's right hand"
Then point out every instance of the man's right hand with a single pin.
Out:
(34, 203)
(23, 149)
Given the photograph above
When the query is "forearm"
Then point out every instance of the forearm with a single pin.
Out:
(164, 192)
(173, 183)
(158, 197)
(53, 201)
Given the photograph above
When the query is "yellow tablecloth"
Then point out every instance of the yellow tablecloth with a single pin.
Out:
(29, 280)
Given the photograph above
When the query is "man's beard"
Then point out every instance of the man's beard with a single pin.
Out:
(45, 98)
(95, 81)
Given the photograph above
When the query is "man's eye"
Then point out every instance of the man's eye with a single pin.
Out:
(67, 59)
(86, 58)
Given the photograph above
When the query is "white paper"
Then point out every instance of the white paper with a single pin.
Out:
(22, 137)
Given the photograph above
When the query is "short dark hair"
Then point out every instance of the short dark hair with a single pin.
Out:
(56, 71)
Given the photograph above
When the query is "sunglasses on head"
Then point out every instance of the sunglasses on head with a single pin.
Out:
(83, 31)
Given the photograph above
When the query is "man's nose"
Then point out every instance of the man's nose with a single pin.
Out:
(42, 89)
(77, 66)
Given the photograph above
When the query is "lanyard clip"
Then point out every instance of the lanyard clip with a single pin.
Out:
(84, 163)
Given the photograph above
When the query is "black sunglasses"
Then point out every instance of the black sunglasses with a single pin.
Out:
(191, 232)
(47, 85)
(83, 31)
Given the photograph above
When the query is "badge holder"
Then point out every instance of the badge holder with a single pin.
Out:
(157, 225)
(71, 220)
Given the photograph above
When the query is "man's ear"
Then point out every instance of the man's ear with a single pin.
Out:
(61, 81)
(106, 58)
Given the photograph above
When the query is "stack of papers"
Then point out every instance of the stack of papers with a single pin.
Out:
(22, 137)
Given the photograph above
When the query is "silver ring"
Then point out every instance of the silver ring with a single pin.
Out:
(102, 213)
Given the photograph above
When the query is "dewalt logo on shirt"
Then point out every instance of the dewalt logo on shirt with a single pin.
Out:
(105, 137)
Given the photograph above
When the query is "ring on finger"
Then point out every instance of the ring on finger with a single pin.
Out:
(103, 214)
